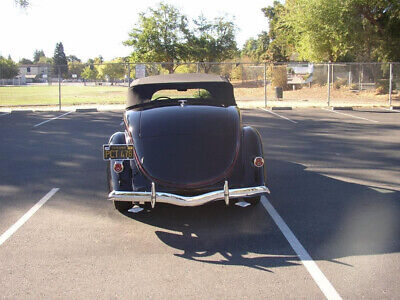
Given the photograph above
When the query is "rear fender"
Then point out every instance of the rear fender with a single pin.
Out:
(119, 181)
(252, 148)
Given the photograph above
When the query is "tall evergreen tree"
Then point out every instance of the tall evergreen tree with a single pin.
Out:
(60, 59)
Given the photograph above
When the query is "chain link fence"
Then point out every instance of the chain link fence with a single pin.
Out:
(256, 84)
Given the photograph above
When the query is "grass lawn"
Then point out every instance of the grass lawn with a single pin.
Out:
(79, 94)
(70, 95)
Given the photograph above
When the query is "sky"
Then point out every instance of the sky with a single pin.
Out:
(89, 28)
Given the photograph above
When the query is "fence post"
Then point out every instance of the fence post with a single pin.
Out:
(129, 74)
(329, 84)
(349, 83)
(265, 85)
(390, 83)
(59, 88)
(241, 72)
(362, 77)
(198, 67)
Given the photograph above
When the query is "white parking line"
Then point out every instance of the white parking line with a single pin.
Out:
(52, 119)
(5, 114)
(312, 268)
(280, 116)
(340, 113)
(10, 231)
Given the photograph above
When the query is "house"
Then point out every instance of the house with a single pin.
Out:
(35, 73)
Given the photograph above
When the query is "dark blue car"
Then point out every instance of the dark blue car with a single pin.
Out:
(184, 144)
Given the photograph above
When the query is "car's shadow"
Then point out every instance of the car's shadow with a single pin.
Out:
(220, 235)
(331, 218)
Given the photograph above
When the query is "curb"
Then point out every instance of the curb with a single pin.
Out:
(21, 111)
(342, 108)
(281, 108)
(394, 107)
(86, 110)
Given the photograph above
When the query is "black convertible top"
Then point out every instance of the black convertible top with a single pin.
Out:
(142, 89)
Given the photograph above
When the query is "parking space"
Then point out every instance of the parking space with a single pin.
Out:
(357, 115)
(378, 114)
(336, 183)
(334, 180)
(22, 153)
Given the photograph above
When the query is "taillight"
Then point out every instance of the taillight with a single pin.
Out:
(118, 167)
(258, 161)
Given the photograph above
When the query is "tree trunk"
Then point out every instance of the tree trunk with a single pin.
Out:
(169, 66)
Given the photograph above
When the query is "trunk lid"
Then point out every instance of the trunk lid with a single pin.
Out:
(190, 146)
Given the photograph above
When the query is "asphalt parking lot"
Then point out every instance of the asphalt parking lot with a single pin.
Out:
(334, 178)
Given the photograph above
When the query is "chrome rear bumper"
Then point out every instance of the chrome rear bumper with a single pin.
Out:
(153, 196)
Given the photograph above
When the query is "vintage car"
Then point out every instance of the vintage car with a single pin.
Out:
(184, 144)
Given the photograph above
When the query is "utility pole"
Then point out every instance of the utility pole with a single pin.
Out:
(59, 88)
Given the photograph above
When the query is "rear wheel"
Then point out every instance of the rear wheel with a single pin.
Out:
(121, 206)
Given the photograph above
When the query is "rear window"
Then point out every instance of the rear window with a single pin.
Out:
(182, 94)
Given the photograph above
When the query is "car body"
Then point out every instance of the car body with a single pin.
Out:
(187, 150)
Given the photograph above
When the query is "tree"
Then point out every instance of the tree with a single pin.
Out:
(212, 40)
(75, 67)
(37, 55)
(320, 30)
(280, 34)
(60, 59)
(112, 70)
(45, 60)
(159, 36)
(25, 61)
(256, 49)
(8, 68)
(73, 58)
(342, 30)
(379, 23)
(89, 73)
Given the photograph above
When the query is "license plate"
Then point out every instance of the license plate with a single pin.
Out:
(119, 152)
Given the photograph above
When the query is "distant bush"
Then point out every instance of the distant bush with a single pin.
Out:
(382, 86)
(278, 75)
(202, 94)
(354, 86)
(339, 83)
(237, 73)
